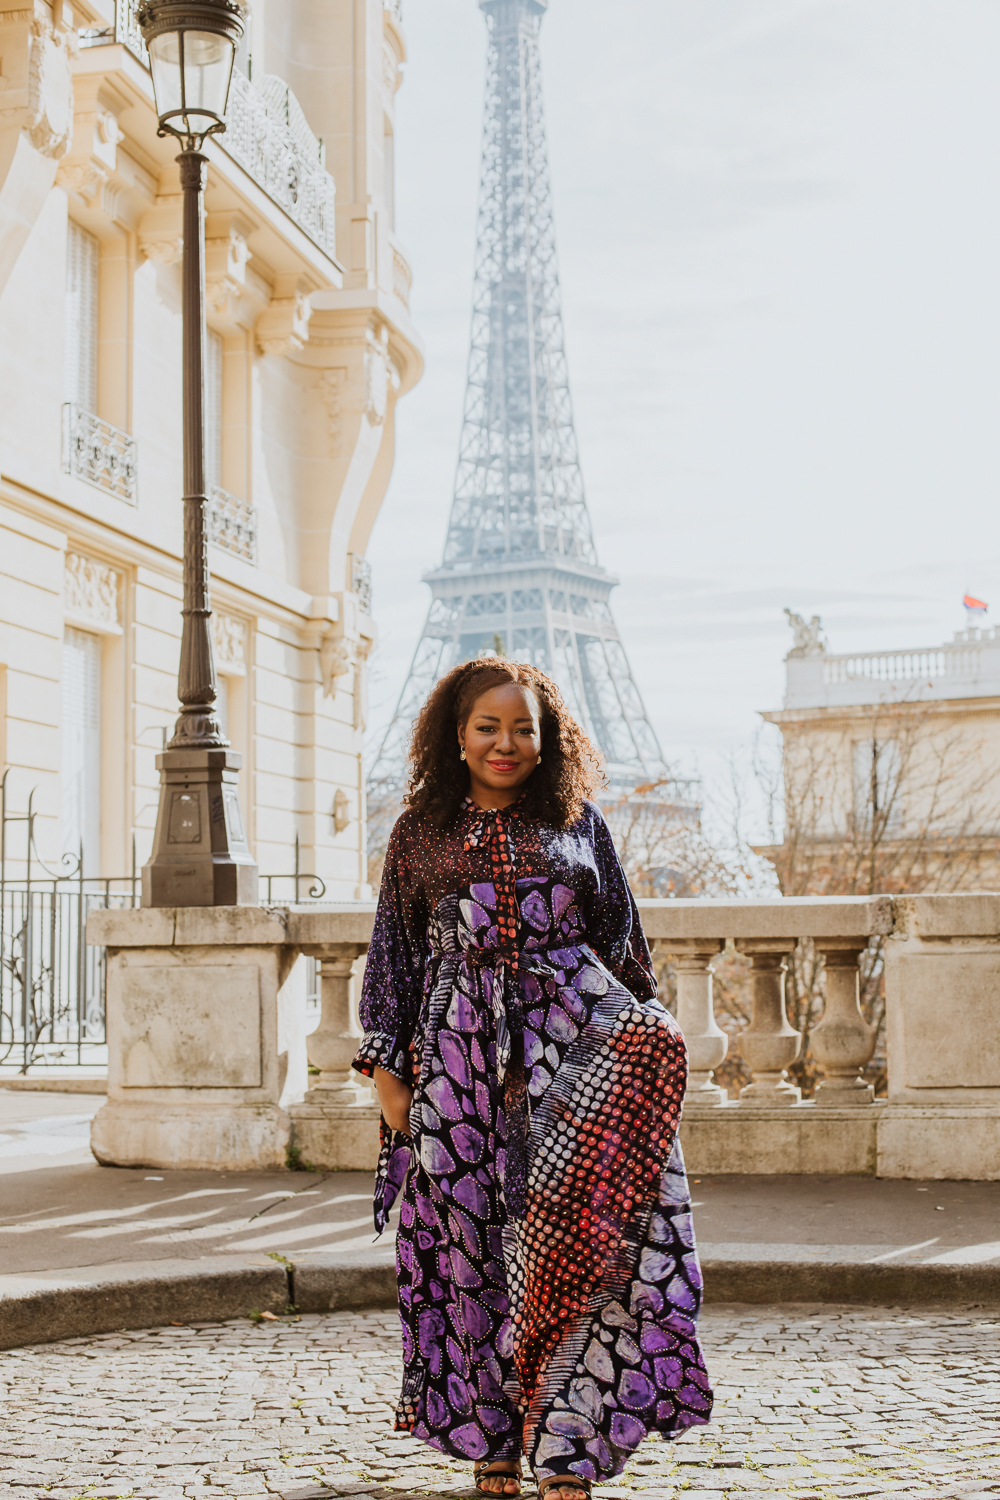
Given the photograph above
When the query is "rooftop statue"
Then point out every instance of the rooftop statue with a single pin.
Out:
(808, 638)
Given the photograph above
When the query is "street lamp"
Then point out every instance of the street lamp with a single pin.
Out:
(200, 853)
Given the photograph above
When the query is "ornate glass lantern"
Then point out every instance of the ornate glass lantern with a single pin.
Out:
(191, 45)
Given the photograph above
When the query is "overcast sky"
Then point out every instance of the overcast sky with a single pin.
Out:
(779, 244)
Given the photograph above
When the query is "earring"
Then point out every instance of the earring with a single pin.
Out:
(538, 761)
(461, 753)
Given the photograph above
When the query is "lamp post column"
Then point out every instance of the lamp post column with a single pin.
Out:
(198, 726)
(200, 852)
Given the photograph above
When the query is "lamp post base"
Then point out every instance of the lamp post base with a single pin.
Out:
(200, 854)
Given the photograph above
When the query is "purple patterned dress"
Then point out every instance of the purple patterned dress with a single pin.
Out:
(548, 1280)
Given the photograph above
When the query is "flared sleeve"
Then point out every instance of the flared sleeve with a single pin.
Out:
(614, 929)
(394, 969)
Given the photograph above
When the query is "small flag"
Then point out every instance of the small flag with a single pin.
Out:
(977, 604)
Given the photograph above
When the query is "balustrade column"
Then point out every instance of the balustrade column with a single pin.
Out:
(332, 1046)
(769, 1045)
(707, 1043)
(843, 1042)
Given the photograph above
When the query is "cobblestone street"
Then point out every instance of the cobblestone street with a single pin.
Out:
(812, 1402)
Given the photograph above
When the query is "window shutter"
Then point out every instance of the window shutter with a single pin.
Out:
(81, 747)
(82, 251)
(213, 409)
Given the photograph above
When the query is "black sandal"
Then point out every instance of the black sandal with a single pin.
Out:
(501, 1468)
(567, 1481)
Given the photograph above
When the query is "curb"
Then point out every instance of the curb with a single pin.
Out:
(40, 1308)
(68, 1304)
(860, 1283)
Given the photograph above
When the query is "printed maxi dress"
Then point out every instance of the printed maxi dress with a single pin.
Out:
(548, 1280)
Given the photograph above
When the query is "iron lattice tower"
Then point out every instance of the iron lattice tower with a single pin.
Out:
(520, 568)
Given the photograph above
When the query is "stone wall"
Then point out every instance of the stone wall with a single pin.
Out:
(941, 1117)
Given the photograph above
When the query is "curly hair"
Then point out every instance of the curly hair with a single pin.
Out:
(570, 768)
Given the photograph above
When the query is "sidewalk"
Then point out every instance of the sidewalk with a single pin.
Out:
(85, 1248)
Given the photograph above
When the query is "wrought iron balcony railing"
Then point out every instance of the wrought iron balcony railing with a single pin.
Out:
(232, 524)
(262, 142)
(267, 134)
(103, 455)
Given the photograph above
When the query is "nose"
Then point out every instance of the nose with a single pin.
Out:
(505, 741)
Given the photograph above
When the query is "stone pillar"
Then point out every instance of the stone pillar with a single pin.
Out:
(194, 1073)
(336, 1126)
(843, 1042)
(707, 1043)
(769, 1044)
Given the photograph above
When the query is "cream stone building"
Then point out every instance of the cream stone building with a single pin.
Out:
(891, 765)
(310, 346)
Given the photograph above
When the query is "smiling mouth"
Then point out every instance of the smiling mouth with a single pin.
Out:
(502, 765)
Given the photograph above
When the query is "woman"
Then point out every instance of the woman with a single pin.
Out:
(530, 1086)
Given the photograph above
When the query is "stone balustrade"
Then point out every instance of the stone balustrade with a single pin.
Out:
(941, 1117)
(692, 933)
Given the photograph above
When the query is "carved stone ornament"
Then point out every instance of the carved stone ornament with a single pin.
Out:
(341, 810)
(229, 643)
(336, 658)
(283, 326)
(161, 233)
(92, 158)
(808, 638)
(331, 389)
(91, 590)
(38, 95)
(226, 258)
(361, 684)
(50, 88)
(379, 377)
(84, 177)
(163, 252)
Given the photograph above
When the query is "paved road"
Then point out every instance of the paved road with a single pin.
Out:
(813, 1404)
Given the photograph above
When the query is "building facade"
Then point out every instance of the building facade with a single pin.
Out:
(310, 346)
(891, 765)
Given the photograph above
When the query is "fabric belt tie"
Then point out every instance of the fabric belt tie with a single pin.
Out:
(491, 829)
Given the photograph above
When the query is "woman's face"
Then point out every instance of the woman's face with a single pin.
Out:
(502, 740)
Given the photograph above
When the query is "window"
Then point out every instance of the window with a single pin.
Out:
(81, 747)
(213, 410)
(877, 791)
(82, 254)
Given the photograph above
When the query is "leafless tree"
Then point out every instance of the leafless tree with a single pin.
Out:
(912, 806)
(658, 834)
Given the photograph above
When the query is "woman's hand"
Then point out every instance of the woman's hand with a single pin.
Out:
(395, 1099)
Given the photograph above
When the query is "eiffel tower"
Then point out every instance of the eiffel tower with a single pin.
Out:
(520, 572)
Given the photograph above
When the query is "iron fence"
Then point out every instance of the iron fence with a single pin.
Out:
(52, 985)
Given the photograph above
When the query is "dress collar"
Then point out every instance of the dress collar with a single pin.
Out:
(473, 810)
